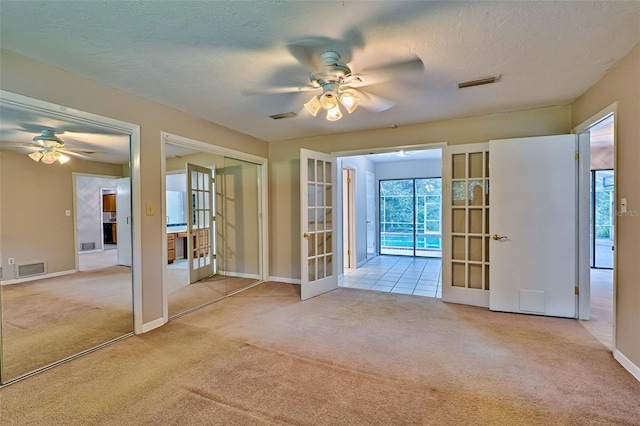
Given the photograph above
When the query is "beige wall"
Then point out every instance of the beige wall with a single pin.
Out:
(35, 197)
(622, 85)
(37, 80)
(284, 181)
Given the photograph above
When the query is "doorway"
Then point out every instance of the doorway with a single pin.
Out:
(599, 133)
(375, 270)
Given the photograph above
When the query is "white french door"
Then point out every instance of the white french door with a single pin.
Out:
(465, 224)
(534, 225)
(317, 222)
(200, 222)
(518, 252)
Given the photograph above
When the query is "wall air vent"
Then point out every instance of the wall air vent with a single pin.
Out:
(478, 82)
(283, 115)
(31, 269)
(87, 246)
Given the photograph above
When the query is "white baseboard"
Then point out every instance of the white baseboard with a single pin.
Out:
(153, 324)
(286, 280)
(627, 364)
(240, 275)
(38, 277)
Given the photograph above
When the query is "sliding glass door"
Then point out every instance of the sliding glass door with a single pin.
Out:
(410, 217)
(602, 219)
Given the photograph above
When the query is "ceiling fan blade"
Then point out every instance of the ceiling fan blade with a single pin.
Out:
(277, 90)
(372, 102)
(394, 69)
(79, 154)
(308, 50)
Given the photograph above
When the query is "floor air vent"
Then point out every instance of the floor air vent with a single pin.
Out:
(31, 269)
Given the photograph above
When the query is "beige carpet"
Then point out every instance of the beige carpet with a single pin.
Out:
(349, 357)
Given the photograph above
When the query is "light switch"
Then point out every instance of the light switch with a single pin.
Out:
(623, 205)
(150, 209)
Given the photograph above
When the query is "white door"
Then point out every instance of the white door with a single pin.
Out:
(201, 253)
(465, 224)
(123, 221)
(317, 223)
(371, 215)
(533, 225)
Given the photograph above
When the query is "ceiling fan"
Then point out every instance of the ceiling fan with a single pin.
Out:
(335, 81)
(50, 148)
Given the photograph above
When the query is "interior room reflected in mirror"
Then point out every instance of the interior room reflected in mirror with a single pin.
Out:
(212, 213)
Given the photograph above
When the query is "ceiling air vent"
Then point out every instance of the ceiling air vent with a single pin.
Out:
(478, 82)
(283, 115)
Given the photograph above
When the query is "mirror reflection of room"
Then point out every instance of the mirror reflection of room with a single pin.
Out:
(212, 248)
(68, 287)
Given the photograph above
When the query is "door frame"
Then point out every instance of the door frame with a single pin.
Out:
(584, 262)
(263, 198)
(349, 215)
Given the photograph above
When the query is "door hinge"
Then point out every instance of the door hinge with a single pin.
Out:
(576, 290)
(348, 180)
(349, 252)
(577, 155)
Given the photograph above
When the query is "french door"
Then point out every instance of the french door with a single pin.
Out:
(519, 254)
(317, 222)
(201, 220)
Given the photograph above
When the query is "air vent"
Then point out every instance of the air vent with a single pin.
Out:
(87, 246)
(283, 115)
(31, 269)
(478, 82)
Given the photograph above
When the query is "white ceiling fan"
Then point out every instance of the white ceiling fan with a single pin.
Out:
(335, 81)
(48, 148)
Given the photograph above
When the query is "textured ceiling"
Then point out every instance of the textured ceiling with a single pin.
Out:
(198, 56)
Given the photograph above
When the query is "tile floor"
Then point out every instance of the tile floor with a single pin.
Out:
(397, 274)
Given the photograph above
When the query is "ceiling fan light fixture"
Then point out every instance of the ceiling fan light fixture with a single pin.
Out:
(334, 114)
(328, 99)
(349, 101)
(313, 106)
(49, 157)
(62, 158)
(36, 156)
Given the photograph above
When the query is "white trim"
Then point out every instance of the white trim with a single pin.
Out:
(596, 118)
(367, 151)
(240, 275)
(47, 109)
(583, 262)
(38, 277)
(286, 280)
(627, 364)
(148, 326)
(165, 242)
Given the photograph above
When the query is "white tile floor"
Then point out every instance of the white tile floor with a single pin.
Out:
(397, 274)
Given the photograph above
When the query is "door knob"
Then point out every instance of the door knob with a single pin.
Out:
(305, 235)
(499, 237)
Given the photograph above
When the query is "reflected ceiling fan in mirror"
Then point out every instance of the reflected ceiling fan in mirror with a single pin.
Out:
(50, 148)
(338, 85)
